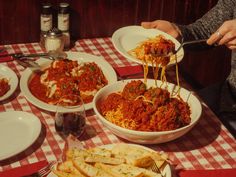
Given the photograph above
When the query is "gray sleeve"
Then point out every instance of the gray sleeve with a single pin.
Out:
(210, 22)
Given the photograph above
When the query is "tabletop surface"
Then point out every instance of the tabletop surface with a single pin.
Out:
(209, 145)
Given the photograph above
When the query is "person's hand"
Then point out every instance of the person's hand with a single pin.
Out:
(163, 25)
(225, 35)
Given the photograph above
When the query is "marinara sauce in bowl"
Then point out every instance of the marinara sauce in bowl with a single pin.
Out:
(149, 113)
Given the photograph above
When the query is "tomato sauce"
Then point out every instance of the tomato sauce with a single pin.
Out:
(4, 86)
(150, 109)
(37, 89)
(67, 77)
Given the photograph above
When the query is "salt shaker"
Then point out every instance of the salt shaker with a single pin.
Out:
(54, 40)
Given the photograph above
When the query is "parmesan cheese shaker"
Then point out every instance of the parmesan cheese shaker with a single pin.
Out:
(54, 40)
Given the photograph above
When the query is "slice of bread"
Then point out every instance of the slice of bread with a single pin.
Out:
(90, 170)
(136, 156)
(76, 153)
(65, 174)
(68, 167)
(92, 158)
(100, 151)
(126, 170)
(130, 170)
(107, 168)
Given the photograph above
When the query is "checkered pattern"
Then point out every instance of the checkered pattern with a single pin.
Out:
(208, 145)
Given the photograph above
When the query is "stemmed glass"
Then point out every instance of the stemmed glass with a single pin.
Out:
(70, 116)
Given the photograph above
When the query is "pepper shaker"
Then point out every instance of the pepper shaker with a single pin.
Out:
(45, 22)
(64, 22)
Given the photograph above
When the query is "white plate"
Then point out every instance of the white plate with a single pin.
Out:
(128, 38)
(6, 72)
(107, 69)
(166, 171)
(18, 130)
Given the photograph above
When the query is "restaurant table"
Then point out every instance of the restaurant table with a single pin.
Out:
(209, 145)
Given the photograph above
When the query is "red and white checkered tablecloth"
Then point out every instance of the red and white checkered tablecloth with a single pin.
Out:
(208, 145)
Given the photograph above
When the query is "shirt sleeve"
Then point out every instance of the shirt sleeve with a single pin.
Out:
(210, 22)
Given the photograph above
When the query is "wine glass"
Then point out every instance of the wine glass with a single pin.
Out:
(70, 116)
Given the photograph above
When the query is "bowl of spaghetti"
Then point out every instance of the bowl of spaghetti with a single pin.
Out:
(147, 112)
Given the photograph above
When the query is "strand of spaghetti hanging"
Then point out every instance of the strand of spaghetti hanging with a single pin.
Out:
(156, 51)
(177, 77)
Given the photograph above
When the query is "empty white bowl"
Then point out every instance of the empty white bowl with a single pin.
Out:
(143, 137)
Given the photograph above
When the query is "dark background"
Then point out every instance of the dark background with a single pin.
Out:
(20, 23)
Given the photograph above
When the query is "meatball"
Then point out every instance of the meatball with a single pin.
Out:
(111, 103)
(157, 95)
(133, 89)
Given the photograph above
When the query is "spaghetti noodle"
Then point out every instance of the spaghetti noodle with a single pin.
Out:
(153, 51)
(145, 109)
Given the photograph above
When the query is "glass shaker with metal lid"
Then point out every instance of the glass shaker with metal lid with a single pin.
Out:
(45, 22)
(46, 17)
(54, 40)
(63, 17)
(64, 23)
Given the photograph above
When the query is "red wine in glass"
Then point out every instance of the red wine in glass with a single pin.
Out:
(70, 119)
(70, 123)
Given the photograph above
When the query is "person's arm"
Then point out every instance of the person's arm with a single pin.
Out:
(210, 22)
(203, 27)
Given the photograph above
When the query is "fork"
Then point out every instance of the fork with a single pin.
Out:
(180, 47)
(35, 67)
(155, 168)
(130, 76)
(52, 55)
(43, 171)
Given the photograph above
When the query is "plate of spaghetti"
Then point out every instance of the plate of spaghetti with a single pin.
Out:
(79, 74)
(138, 44)
(8, 82)
(147, 113)
(145, 46)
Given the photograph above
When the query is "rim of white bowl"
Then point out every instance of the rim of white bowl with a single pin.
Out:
(136, 132)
